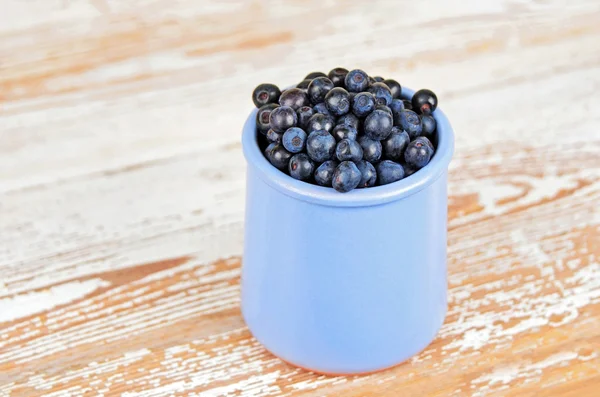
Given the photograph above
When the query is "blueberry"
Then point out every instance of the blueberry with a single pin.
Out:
(385, 109)
(367, 172)
(263, 116)
(408, 171)
(321, 108)
(303, 85)
(320, 146)
(371, 149)
(314, 75)
(378, 79)
(429, 126)
(318, 88)
(418, 154)
(371, 81)
(348, 150)
(410, 122)
(304, 114)
(396, 107)
(389, 171)
(424, 101)
(407, 104)
(337, 76)
(394, 86)
(264, 94)
(351, 95)
(363, 104)
(294, 98)
(426, 141)
(294, 140)
(282, 118)
(338, 101)
(382, 93)
(346, 177)
(342, 131)
(349, 119)
(396, 144)
(273, 137)
(278, 156)
(356, 81)
(320, 121)
(324, 173)
(301, 167)
(378, 125)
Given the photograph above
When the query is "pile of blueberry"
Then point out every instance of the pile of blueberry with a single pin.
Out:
(345, 129)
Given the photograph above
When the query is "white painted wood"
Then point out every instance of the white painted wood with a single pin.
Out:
(119, 148)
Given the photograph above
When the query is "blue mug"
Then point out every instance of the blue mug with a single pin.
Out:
(345, 283)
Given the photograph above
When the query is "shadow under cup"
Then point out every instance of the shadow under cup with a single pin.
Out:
(345, 283)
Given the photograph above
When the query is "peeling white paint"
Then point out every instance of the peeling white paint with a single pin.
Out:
(193, 196)
(26, 304)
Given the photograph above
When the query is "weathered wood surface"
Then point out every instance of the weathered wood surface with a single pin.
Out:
(122, 188)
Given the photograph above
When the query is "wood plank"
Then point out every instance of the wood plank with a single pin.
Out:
(122, 191)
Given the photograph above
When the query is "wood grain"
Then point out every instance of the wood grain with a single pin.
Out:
(122, 191)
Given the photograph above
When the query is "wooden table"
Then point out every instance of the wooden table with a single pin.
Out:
(122, 191)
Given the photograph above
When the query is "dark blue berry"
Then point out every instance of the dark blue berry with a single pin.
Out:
(388, 172)
(426, 141)
(395, 145)
(320, 121)
(356, 81)
(407, 104)
(324, 173)
(321, 108)
(318, 88)
(429, 126)
(396, 107)
(349, 119)
(367, 172)
(351, 95)
(378, 79)
(408, 171)
(346, 177)
(424, 101)
(378, 125)
(418, 154)
(385, 109)
(382, 93)
(303, 85)
(314, 75)
(337, 76)
(301, 167)
(263, 117)
(363, 104)
(338, 101)
(348, 150)
(304, 114)
(294, 98)
(278, 156)
(273, 137)
(294, 140)
(342, 131)
(320, 146)
(394, 86)
(264, 94)
(282, 118)
(410, 122)
(371, 149)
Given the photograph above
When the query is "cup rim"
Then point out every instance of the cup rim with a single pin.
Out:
(358, 197)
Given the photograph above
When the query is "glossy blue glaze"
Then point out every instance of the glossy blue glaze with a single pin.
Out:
(345, 282)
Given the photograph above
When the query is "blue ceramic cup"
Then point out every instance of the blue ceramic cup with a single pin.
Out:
(345, 283)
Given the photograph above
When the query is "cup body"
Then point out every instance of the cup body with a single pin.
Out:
(345, 283)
